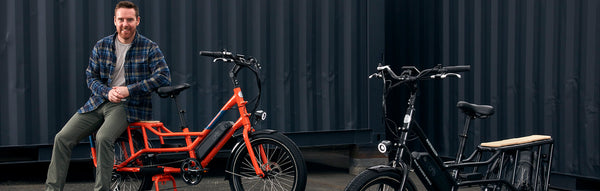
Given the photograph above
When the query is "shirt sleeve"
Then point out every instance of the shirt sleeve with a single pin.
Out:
(94, 81)
(160, 76)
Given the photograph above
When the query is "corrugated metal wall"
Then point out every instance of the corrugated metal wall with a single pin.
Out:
(314, 56)
(536, 61)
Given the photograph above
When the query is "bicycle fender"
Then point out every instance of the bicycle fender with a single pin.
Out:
(258, 132)
(241, 145)
(383, 168)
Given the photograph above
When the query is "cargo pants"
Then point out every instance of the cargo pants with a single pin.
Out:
(109, 121)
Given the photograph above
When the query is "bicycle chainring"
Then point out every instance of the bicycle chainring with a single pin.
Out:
(191, 171)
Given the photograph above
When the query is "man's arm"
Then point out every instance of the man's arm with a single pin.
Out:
(92, 72)
(160, 76)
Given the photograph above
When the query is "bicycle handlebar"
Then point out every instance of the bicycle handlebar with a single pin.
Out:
(435, 72)
(226, 56)
(216, 54)
(240, 62)
(453, 69)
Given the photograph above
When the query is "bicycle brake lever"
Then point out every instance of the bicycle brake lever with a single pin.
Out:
(222, 59)
(451, 74)
(375, 75)
(442, 76)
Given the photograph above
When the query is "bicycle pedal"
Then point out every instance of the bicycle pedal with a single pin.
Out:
(204, 170)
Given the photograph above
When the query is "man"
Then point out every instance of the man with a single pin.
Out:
(123, 70)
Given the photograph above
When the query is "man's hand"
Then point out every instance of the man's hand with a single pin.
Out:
(116, 94)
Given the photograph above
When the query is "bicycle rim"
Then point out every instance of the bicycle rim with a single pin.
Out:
(379, 181)
(284, 167)
(122, 181)
(522, 179)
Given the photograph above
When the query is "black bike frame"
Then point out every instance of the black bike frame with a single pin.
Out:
(434, 173)
(405, 129)
(446, 169)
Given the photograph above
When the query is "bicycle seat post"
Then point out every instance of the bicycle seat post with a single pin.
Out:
(181, 113)
(463, 140)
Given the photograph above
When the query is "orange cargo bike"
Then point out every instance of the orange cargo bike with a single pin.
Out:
(261, 160)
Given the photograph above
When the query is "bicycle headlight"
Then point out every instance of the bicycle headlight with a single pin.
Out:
(260, 115)
(384, 146)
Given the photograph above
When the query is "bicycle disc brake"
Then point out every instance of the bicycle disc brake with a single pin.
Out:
(271, 169)
(191, 171)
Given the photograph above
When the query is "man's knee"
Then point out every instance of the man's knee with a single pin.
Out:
(105, 139)
(62, 139)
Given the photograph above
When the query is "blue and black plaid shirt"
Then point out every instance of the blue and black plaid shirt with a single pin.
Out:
(145, 71)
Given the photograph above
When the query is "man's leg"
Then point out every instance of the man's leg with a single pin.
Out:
(79, 126)
(115, 123)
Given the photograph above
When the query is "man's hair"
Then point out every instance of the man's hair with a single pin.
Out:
(128, 5)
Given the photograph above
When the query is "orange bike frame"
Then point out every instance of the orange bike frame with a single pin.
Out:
(161, 131)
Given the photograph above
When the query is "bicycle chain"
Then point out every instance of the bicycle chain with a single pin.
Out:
(163, 164)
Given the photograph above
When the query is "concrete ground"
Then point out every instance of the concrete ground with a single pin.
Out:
(327, 171)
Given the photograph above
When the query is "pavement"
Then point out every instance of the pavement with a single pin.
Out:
(327, 171)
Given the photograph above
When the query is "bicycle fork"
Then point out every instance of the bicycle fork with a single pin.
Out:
(253, 157)
(238, 97)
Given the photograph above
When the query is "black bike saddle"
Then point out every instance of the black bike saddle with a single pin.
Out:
(171, 91)
(474, 110)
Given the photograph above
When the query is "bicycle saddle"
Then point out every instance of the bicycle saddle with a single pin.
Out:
(474, 110)
(171, 91)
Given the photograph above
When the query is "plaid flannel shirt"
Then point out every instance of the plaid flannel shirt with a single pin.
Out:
(145, 71)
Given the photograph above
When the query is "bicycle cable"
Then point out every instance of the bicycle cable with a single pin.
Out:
(255, 68)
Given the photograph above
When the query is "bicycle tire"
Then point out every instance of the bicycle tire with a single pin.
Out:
(379, 180)
(286, 169)
(129, 180)
(523, 174)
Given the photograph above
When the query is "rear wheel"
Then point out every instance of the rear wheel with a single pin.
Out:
(370, 180)
(283, 166)
(129, 180)
(519, 174)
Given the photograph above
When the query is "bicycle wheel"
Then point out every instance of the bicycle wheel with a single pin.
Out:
(521, 175)
(284, 166)
(379, 181)
(129, 180)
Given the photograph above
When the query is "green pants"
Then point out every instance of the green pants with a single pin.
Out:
(109, 120)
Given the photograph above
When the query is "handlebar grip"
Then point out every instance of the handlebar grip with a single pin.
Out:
(454, 69)
(216, 54)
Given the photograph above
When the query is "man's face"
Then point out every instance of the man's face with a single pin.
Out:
(126, 23)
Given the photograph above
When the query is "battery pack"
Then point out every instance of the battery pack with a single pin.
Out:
(435, 178)
(212, 139)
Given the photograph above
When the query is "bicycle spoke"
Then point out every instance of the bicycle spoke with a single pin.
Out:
(278, 163)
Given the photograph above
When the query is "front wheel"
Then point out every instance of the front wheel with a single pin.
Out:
(281, 162)
(379, 181)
